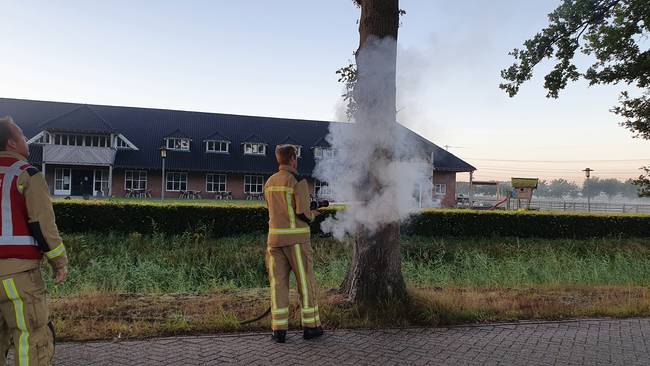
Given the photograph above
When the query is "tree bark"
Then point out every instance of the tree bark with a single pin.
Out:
(375, 273)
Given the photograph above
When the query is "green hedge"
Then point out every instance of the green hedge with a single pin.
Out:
(220, 221)
(471, 223)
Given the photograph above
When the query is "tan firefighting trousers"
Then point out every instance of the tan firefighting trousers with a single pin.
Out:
(280, 262)
(24, 319)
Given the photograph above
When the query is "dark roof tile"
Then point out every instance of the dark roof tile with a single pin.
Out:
(146, 128)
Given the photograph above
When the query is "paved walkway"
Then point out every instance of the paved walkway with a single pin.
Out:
(585, 342)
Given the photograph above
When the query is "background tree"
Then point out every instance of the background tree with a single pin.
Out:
(560, 188)
(643, 182)
(595, 187)
(615, 33)
(611, 187)
(542, 188)
(375, 273)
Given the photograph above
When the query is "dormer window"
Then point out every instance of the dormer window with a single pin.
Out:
(82, 140)
(121, 142)
(43, 137)
(217, 146)
(323, 153)
(254, 148)
(177, 143)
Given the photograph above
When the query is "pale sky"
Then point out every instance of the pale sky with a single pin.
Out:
(279, 59)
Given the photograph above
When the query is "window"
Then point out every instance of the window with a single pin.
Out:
(122, 143)
(81, 140)
(61, 181)
(42, 138)
(215, 183)
(175, 143)
(440, 189)
(101, 182)
(135, 179)
(252, 148)
(322, 189)
(176, 182)
(323, 152)
(217, 146)
(253, 184)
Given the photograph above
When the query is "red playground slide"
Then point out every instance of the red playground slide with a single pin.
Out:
(496, 205)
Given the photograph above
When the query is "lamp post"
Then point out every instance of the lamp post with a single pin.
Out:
(163, 156)
(588, 174)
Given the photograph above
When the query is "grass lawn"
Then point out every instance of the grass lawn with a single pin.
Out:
(139, 286)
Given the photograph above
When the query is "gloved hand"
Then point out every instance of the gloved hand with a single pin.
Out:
(60, 274)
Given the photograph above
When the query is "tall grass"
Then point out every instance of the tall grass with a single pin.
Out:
(190, 263)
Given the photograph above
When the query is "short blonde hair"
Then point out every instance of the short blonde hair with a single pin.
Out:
(6, 131)
(284, 153)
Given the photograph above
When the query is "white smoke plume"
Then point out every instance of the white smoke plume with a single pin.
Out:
(361, 149)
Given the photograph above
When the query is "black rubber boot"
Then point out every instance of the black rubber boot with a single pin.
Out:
(279, 336)
(311, 333)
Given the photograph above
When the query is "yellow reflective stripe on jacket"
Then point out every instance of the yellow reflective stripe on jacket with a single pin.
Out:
(280, 322)
(278, 189)
(292, 215)
(19, 309)
(298, 230)
(55, 252)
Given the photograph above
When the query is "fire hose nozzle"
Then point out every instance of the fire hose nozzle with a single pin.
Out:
(315, 205)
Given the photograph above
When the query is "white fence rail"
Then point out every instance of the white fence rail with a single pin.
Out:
(578, 206)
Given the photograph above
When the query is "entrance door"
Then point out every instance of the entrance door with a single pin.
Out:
(82, 183)
(62, 181)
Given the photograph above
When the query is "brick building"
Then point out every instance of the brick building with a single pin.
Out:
(109, 150)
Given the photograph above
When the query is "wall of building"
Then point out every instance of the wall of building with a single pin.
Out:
(449, 180)
(234, 184)
(196, 181)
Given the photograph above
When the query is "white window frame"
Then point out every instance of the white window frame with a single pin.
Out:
(68, 139)
(60, 184)
(440, 189)
(221, 179)
(42, 138)
(324, 187)
(249, 183)
(249, 146)
(223, 146)
(321, 152)
(137, 177)
(177, 143)
(121, 142)
(182, 180)
(101, 176)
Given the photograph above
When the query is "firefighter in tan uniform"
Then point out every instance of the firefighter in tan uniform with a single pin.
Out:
(288, 248)
(27, 234)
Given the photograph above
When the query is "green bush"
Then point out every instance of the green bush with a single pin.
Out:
(469, 223)
(219, 221)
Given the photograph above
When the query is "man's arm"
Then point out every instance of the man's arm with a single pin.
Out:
(42, 222)
(301, 194)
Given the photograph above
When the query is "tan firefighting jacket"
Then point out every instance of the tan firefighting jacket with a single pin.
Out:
(39, 210)
(289, 212)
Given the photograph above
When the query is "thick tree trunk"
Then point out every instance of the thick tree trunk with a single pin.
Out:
(375, 273)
